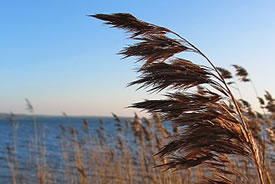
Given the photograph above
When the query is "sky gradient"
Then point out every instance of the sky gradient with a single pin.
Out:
(64, 61)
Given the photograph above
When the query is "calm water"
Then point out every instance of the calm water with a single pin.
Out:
(49, 128)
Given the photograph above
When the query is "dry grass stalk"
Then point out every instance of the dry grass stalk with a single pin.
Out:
(211, 127)
(13, 165)
(78, 159)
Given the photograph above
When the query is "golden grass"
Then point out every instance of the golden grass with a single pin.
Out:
(91, 158)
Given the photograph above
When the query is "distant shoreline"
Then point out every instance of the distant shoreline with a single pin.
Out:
(22, 115)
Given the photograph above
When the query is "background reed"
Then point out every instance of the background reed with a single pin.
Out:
(90, 158)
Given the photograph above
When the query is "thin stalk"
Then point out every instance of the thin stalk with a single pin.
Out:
(237, 87)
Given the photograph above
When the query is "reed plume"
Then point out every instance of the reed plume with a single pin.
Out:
(241, 73)
(211, 129)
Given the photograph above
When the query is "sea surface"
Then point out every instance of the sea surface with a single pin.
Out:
(49, 130)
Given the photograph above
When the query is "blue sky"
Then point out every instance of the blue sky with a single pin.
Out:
(64, 61)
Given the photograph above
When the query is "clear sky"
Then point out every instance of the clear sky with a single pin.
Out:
(64, 61)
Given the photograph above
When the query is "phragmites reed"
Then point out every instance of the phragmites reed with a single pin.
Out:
(241, 73)
(211, 131)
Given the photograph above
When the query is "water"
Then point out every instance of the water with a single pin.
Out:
(48, 130)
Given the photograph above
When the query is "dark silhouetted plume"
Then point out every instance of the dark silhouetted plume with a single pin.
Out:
(198, 101)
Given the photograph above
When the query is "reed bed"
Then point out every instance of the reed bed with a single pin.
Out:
(199, 132)
(128, 156)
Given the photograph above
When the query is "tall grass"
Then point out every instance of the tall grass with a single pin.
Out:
(199, 132)
(128, 156)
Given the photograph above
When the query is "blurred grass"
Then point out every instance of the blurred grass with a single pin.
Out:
(128, 157)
